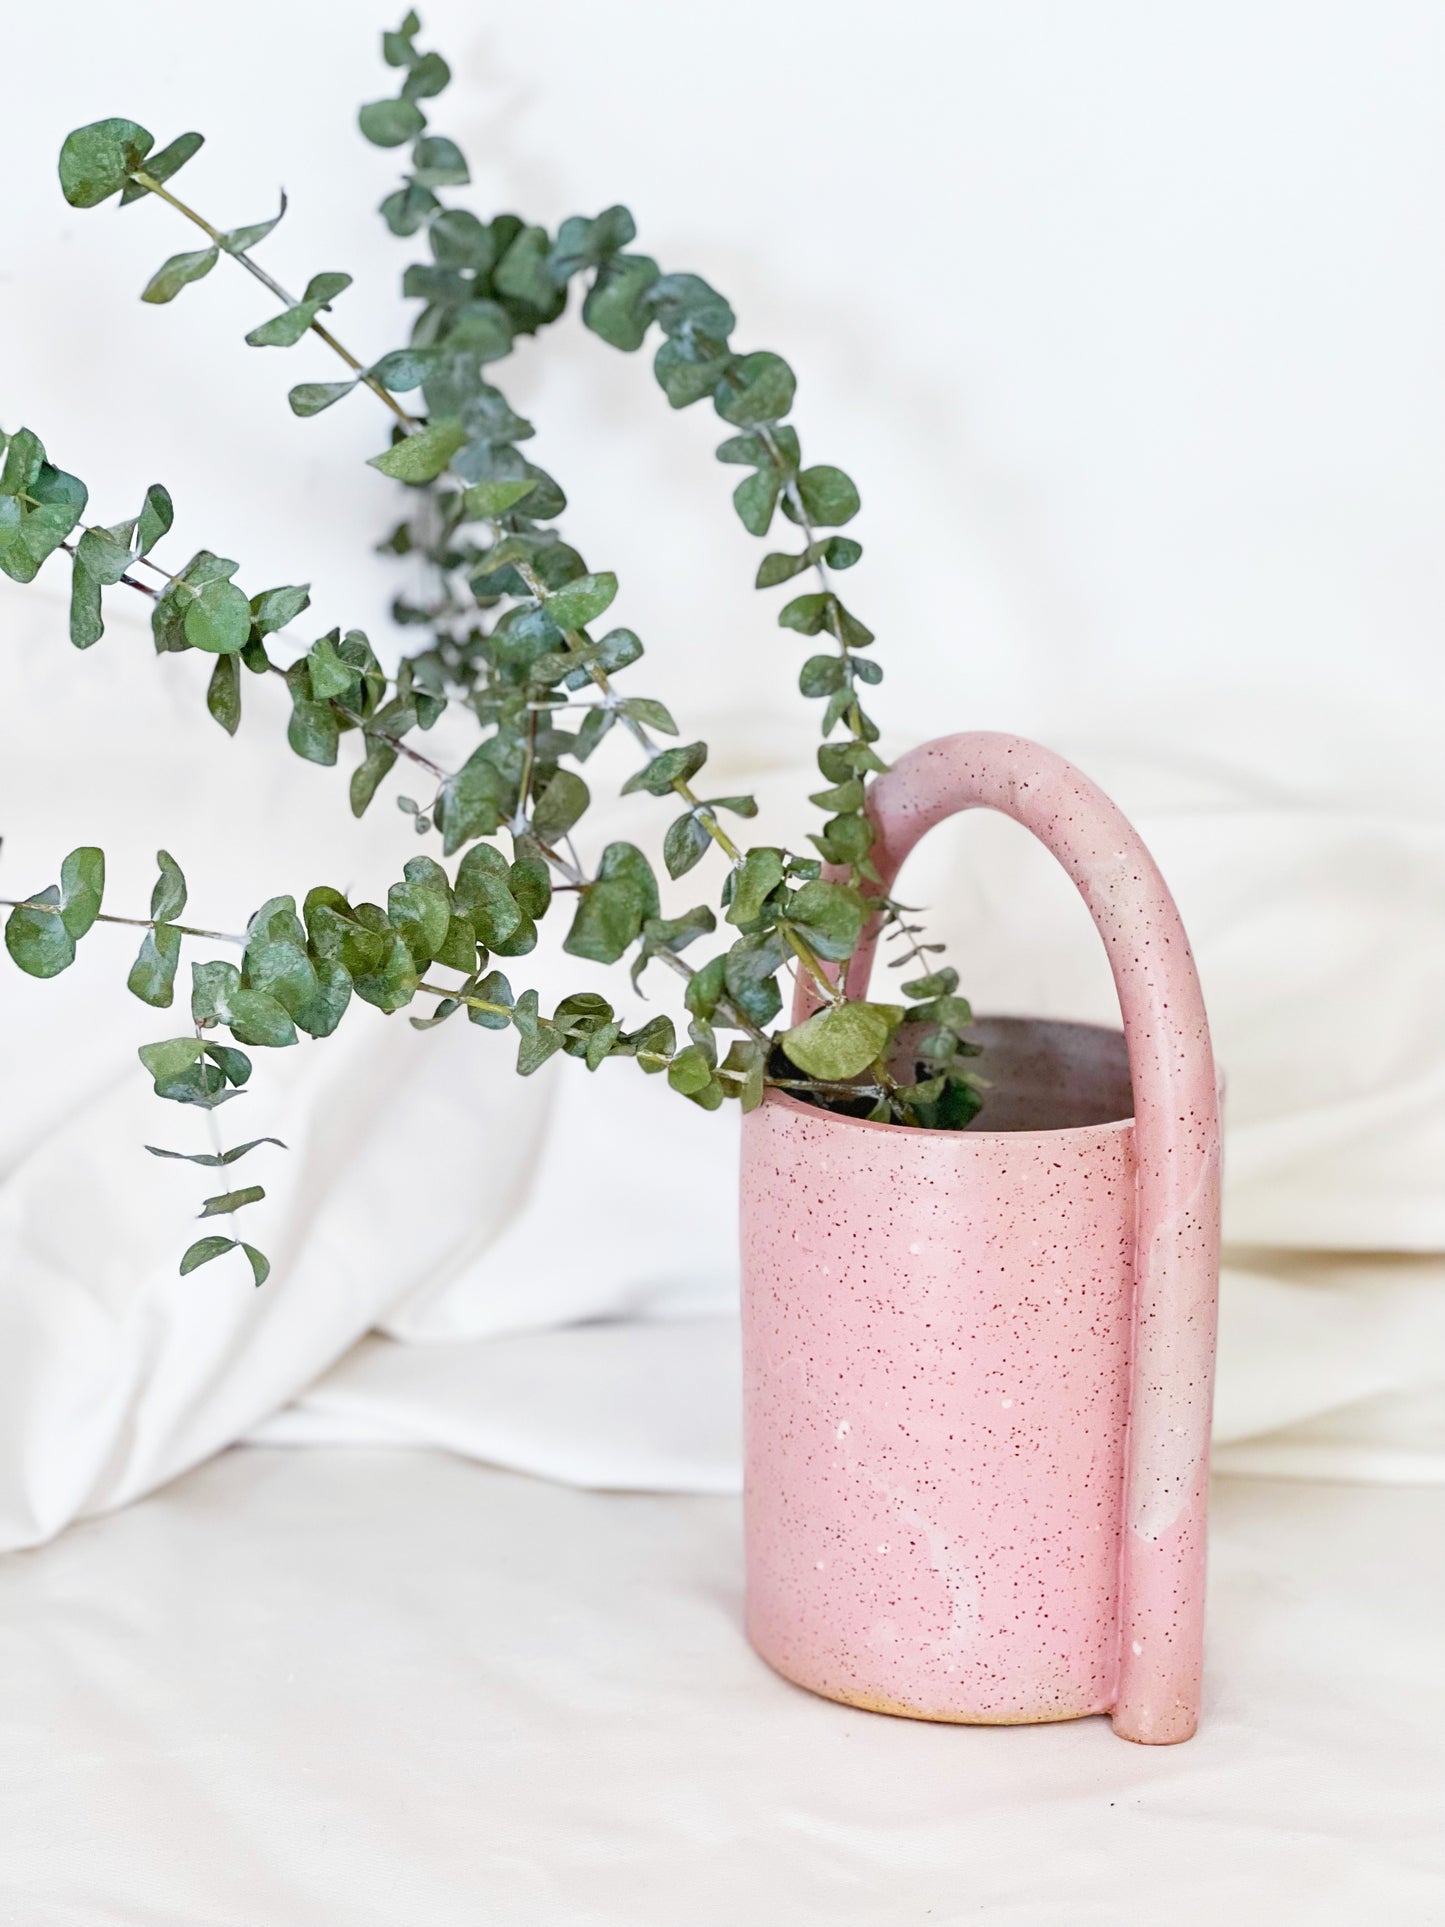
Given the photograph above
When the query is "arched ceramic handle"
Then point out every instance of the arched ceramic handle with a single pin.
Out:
(1161, 1578)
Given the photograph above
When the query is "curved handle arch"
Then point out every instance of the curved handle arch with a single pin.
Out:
(1160, 1608)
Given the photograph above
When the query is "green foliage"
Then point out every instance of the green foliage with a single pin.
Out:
(178, 272)
(204, 1249)
(423, 456)
(39, 506)
(153, 974)
(97, 161)
(215, 1160)
(499, 613)
(41, 933)
(229, 1201)
(841, 1041)
(754, 389)
(667, 769)
(286, 329)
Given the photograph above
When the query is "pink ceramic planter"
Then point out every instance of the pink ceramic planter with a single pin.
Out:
(979, 1365)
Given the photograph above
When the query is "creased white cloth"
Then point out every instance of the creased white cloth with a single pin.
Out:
(552, 1262)
(383, 1687)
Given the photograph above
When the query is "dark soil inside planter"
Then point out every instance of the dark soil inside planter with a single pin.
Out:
(1042, 1075)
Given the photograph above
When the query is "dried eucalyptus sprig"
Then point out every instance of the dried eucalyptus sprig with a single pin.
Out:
(511, 630)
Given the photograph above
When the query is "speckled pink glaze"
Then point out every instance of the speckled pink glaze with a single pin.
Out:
(979, 1366)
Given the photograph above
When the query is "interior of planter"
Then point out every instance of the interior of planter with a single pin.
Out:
(1046, 1076)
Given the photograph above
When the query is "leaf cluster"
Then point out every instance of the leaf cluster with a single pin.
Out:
(517, 630)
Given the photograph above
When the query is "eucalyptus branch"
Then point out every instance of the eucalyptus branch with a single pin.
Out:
(135, 923)
(218, 239)
(509, 619)
(129, 580)
(577, 641)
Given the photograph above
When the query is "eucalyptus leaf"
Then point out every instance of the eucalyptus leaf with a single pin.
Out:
(483, 895)
(756, 388)
(253, 1017)
(211, 1159)
(560, 805)
(202, 1252)
(828, 497)
(229, 1201)
(240, 240)
(760, 874)
(153, 974)
(173, 275)
(168, 898)
(311, 397)
(160, 167)
(841, 1041)
(275, 959)
(223, 693)
(616, 304)
(684, 845)
(157, 514)
(314, 729)
(484, 500)
(491, 989)
(404, 368)
(82, 888)
(218, 619)
(391, 123)
(328, 673)
(429, 75)
(421, 907)
(36, 938)
(97, 160)
(367, 777)
(582, 601)
(671, 767)
(438, 162)
(830, 918)
(260, 1264)
(170, 1057)
(421, 457)
(755, 498)
(749, 973)
(473, 801)
(393, 982)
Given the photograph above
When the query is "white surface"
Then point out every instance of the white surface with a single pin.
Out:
(393, 1690)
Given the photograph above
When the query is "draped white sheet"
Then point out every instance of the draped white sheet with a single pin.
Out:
(389, 1688)
(551, 1263)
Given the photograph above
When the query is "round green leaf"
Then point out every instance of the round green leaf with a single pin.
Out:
(37, 938)
(840, 1042)
(219, 619)
(829, 496)
(756, 388)
(97, 159)
(391, 123)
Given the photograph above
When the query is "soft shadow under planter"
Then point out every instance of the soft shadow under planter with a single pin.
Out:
(979, 1365)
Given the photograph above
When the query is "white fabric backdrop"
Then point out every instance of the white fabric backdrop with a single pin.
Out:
(1128, 326)
(387, 1688)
